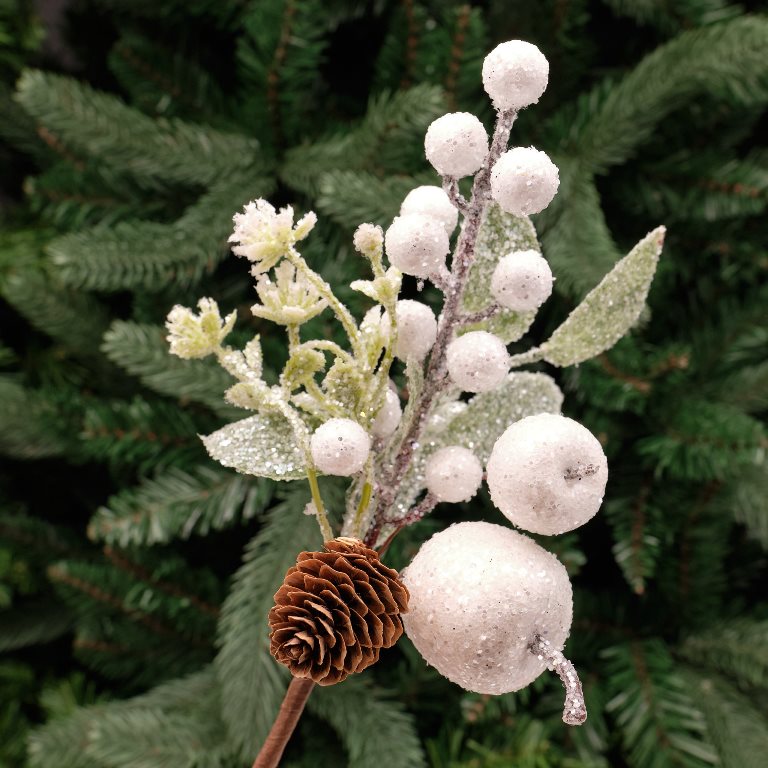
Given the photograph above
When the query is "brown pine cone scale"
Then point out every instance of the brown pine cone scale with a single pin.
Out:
(335, 611)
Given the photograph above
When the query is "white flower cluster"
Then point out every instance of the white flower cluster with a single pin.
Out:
(193, 335)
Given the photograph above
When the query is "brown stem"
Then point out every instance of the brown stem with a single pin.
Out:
(574, 709)
(290, 711)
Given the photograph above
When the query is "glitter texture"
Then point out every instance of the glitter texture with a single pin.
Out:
(456, 144)
(417, 245)
(515, 74)
(434, 202)
(416, 329)
(453, 474)
(388, 417)
(262, 445)
(547, 474)
(524, 181)
(610, 309)
(480, 594)
(340, 447)
(477, 361)
(522, 281)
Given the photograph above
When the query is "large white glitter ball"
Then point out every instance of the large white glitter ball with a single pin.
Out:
(456, 144)
(524, 180)
(453, 474)
(417, 244)
(389, 415)
(431, 201)
(547, 474)
(477, 361)
(479, 595)
(340, 447)
(522, 281)
(515, 74)
(416, 329)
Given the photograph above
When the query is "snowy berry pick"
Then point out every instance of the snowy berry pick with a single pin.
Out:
(483, 603)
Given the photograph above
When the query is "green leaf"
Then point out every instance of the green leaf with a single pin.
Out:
(263, 445)
(610, 309)
(252, 682)
(374, 729)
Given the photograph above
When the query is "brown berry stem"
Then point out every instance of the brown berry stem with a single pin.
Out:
(290, 711)
(575, 708)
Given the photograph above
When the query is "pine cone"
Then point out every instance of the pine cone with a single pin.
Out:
(335, 611)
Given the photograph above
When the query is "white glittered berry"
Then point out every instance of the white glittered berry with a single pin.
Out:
(388, 417)
(456, 144)
(477, 361)
(416, 329)
(417, 245)
(522, 281)
(479, 595)
(340, 447)
(515, 74)
(524, 180)
(547, 474)
(431, 201)
(453, 474)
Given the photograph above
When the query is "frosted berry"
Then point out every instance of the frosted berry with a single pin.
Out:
(477, 361)
(388, 417)
(340, 447)
(417, 245)
(453, 474)
(456, 144)
(524, 180)
(547, 474)
(522, 281)
(479, 595)
(515, 74)
(416, 329)
(434, 202)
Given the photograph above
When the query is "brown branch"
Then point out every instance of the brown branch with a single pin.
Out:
(58, 146)
(411, 44)
(273, 76)
(120, 561)
(638, 525)
(145, 70)
(633, 381)
(638, 658)
(290, 711)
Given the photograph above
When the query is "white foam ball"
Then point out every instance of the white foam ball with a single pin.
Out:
(417, 244)
(340, 447)
(522, 281)
(456, 144)
(477, 361)
(524, 180)
(547, 474)
(416, 329)
(431, 201)
(453, 474)
(389, 415)
(515, 74)
(479, 595)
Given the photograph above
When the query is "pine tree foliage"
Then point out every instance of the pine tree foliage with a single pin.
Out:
(374, 729)
(131, 185)
(252, 684)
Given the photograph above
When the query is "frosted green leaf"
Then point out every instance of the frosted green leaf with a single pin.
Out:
(478, 424)
(610, 309)
(500, 233)
(263, 445)
(508, 325)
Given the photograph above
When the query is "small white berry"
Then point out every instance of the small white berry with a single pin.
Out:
(416, 329)
(389, 415)
(434, 202)
(417, 245)
(479, 595)
(340, 447)
(515, 74)
(547, 474)
(522, 281)
(456, 144)
(477, 361)
(453, 474)
(524, 180)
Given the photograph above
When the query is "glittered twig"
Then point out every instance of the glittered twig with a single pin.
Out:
(575, 708)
